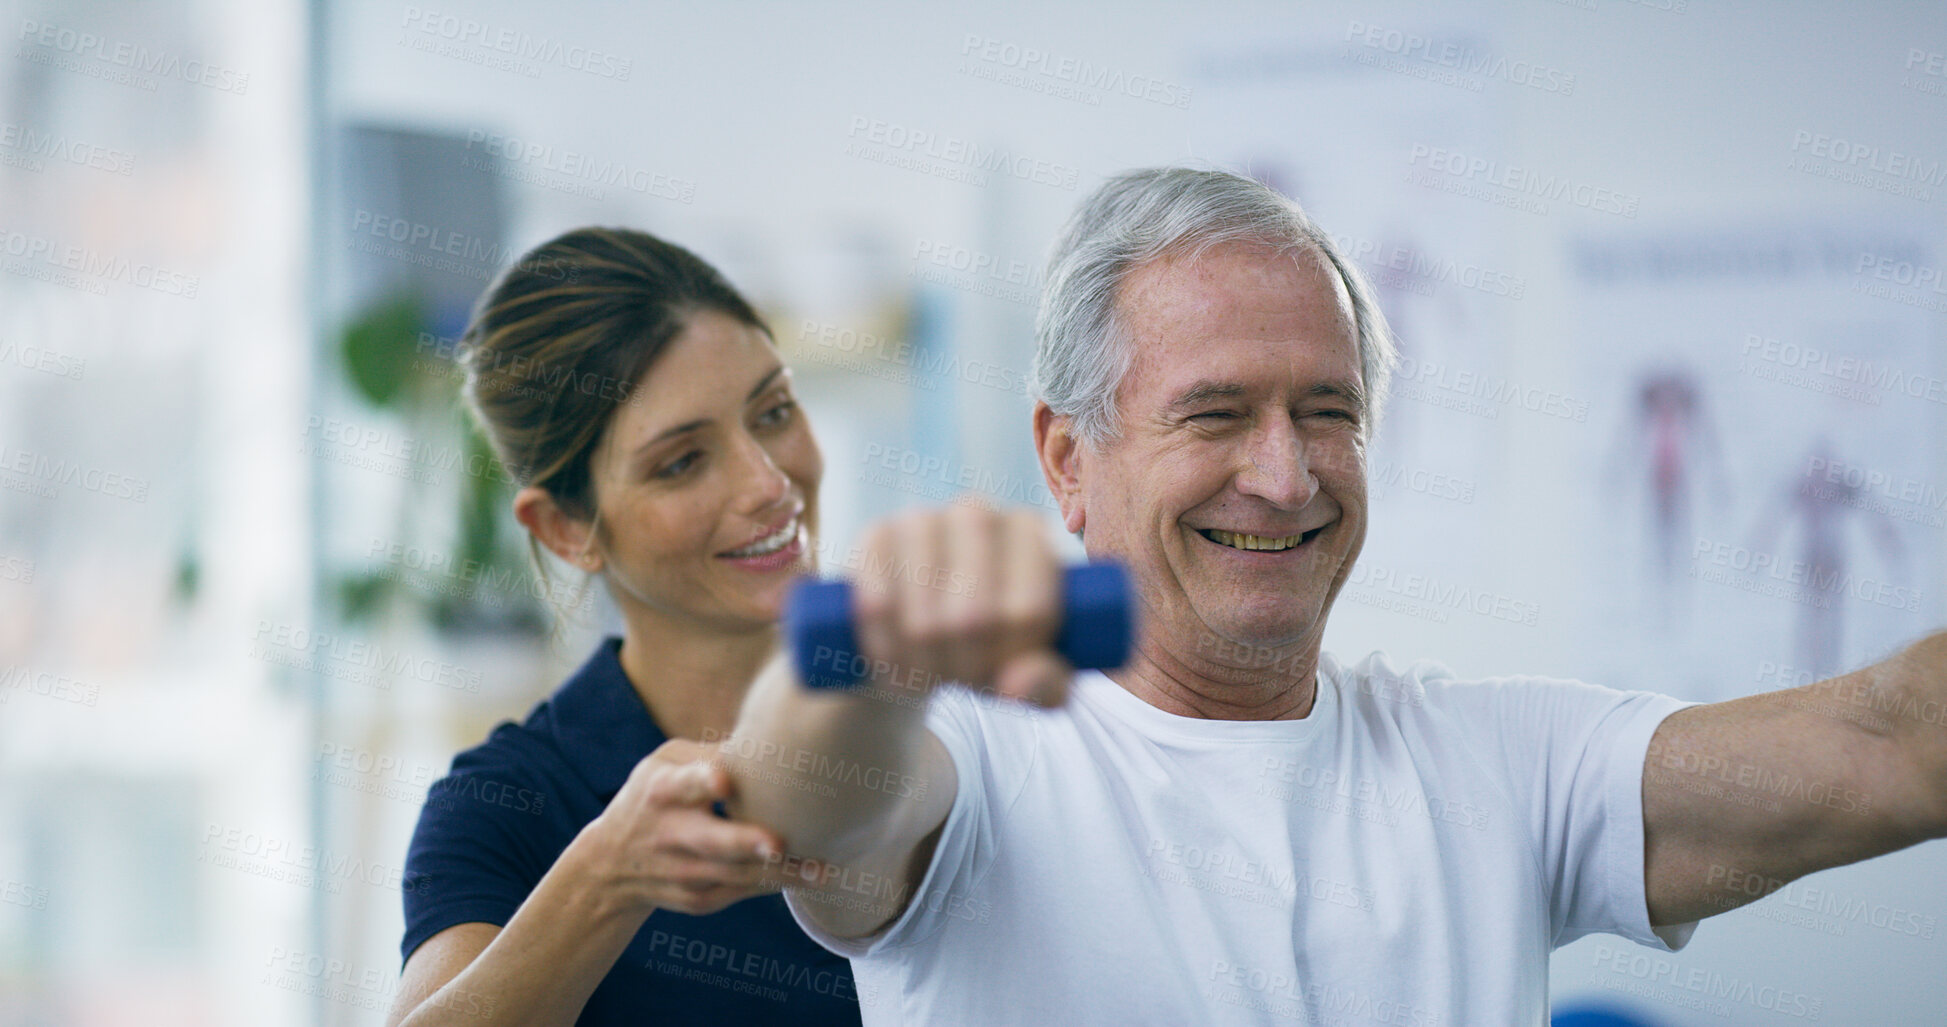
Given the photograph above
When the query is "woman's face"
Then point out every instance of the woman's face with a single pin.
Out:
(707, 481)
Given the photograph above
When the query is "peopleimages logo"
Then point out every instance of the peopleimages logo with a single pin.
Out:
(1900, 497)
(1711, 989)
(314, 648)
(580, 167)
(889, 142)
(1868, 166)
(1042, 71)
(930, 366)
(1853, 376)
(67, 48)
(38, 252)
(1926, 71)
(15, 568)
(39, 473)
(1414, 270)
(33, 145)
(1526, 185)
(1460, 57)
(1413, 377)
(1794, 580)
(1740, 886)
(514, 43)
(939, 478)
(1869, 157)
(1373, 584)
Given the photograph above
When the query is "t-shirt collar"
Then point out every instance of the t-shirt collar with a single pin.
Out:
(1108, 695)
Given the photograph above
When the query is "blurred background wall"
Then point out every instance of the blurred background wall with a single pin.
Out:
(1667, 275)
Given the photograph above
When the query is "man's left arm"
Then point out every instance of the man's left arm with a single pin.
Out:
(1742, 797)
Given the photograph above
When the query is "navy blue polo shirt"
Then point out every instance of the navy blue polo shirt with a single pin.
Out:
(495, 824)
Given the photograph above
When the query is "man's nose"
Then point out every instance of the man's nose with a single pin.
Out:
(1277, 467)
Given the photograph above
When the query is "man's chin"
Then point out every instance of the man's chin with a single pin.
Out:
(1265, 638)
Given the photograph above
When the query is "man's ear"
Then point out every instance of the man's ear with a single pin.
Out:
(566, 536)
(1061, 463)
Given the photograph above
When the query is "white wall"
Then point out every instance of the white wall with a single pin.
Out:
(1692, 111)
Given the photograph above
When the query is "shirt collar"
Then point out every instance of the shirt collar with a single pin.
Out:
(601, 723)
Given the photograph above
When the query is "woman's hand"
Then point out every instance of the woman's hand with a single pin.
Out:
(661, 847)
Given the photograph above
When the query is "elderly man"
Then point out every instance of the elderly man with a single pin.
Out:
(1236, 827)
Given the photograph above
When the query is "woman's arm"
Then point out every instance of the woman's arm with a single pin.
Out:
(656, 846)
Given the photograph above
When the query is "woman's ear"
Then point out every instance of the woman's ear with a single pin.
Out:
(566, 536)
(1060, 453)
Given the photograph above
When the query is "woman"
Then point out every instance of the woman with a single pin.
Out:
(570, 869)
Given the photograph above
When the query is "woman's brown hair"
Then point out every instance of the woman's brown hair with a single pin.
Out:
(559, 342)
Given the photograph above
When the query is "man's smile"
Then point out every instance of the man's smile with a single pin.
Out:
(1259, 543)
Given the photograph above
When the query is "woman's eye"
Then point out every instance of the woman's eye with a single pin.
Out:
(778, 414)
(679, 465)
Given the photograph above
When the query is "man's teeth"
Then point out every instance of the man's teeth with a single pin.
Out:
(1237, 540)
(770, 544)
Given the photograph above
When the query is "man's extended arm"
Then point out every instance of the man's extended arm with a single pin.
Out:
(852, 778)
(802, 761)
(1742, 797)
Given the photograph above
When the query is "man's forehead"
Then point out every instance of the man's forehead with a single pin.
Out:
(1185, 314)
(1193, 279)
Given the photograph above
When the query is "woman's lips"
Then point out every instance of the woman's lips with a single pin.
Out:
(770, 538)
(785, 556)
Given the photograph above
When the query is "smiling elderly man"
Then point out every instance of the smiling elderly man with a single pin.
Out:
(1236, 826)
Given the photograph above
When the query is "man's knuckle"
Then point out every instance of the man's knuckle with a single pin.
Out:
(925, 629)
(977, 625)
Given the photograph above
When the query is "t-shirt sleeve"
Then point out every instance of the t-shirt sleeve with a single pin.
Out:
(1584, 808)
(965, 850)
(475, 854)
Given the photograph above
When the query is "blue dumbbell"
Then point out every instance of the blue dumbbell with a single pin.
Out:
(1098, 625)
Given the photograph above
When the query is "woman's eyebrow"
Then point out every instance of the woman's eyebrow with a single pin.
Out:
(764, 383)
(690, 426)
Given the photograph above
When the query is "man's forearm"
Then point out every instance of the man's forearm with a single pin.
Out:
(831, 771)
(1909, 693)
(1898, 706)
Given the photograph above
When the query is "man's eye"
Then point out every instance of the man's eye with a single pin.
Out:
(1216, 415)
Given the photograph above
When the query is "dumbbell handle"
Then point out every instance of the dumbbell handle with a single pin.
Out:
(1097, 625)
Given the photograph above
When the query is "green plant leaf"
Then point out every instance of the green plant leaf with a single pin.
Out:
(378, 349)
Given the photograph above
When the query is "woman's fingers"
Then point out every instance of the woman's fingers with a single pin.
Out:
(689, 784)
(704, 836)
(681, 750)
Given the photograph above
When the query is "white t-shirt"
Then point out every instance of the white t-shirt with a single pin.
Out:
(1408, 855)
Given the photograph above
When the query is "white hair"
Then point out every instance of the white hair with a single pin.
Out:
(1082, 350)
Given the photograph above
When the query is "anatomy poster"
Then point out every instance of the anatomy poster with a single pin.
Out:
(1761, 497)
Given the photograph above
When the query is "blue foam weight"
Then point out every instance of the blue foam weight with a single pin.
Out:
(1098, 625)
